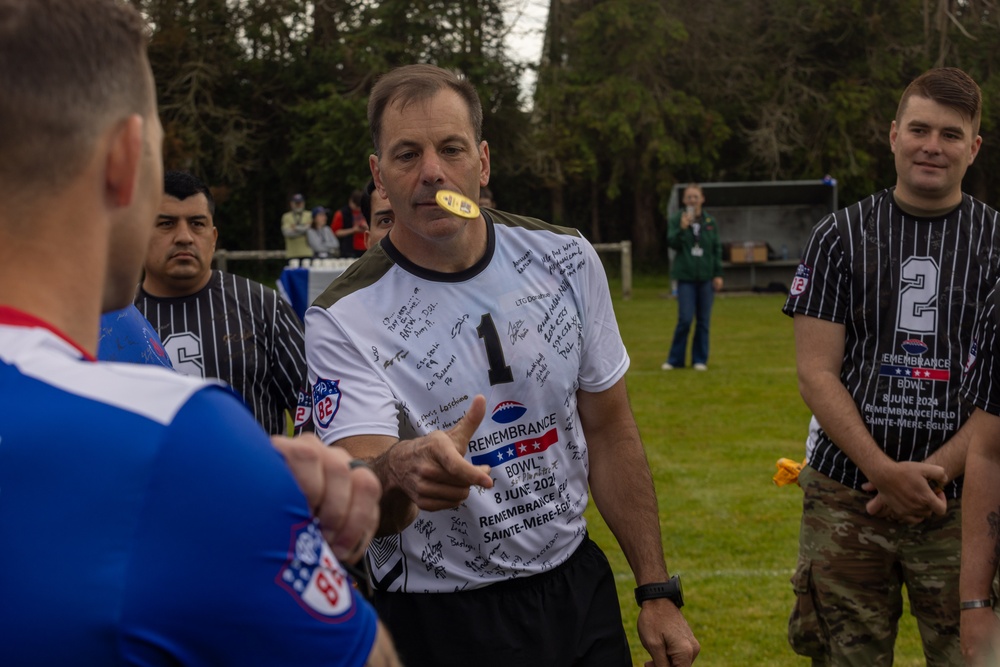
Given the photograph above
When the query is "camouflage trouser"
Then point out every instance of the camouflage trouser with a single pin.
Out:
(849, 578)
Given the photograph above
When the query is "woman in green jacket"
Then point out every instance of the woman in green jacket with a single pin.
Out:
(697, 269)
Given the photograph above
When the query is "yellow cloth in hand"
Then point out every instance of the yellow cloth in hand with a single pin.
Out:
(788, 472)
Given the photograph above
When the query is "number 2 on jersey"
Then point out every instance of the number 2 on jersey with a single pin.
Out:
(918, 297)
(499, 370)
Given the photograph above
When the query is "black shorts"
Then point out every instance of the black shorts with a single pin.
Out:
(568, 616)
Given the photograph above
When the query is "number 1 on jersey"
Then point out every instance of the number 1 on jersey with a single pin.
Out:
(499, 370)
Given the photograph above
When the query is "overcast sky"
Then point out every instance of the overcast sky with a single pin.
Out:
(526, 20)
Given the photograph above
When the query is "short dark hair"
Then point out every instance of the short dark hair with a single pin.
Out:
(415, 83)
(950, 87)
(355, 197)
(366, 201)
(181, 185)
(67, 70)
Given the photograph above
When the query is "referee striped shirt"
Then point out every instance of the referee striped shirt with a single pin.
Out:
(981, 385)
(907, 289)
(240, 332)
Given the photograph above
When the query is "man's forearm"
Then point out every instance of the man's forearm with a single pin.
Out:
(952, 454)
(837, 413)
(626, 498)
(980, 527)
(398, 510)
(819, 358)
(981, 507)
(620, 480)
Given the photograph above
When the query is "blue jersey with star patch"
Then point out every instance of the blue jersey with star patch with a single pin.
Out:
(145, 519)
(128, 336)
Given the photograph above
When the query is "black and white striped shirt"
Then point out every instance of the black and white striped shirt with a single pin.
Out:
(981, 384)
(240, 332)
(907, 290)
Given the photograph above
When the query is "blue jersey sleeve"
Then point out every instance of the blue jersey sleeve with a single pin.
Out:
(126, 335)
(228, 568)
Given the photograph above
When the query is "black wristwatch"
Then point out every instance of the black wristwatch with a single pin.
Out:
(667, 589)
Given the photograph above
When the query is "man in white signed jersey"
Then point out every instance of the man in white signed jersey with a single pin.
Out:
(477, 363)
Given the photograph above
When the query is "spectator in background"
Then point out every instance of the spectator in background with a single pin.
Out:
(378, 213)
(349, 225)
(486, 198)
(215, 324)
(697, 268)
(321, 238)
(295, 224)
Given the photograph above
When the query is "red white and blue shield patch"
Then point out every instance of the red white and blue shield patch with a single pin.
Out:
(326, 401)
(303, 409)
(801, 280)
(314, 576)
(970, 361)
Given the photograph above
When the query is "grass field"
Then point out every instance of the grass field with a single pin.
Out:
(712, 440)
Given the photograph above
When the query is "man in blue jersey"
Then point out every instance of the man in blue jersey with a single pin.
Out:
(145, 518)
(883, 304)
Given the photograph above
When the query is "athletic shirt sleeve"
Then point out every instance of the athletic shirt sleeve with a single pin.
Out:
(227, 567)
(605, 359)
(819, 288)
(126, 335)
(983, 365)
(332, 356)
(288, 373)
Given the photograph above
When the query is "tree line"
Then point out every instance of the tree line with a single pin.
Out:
(264, 98)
